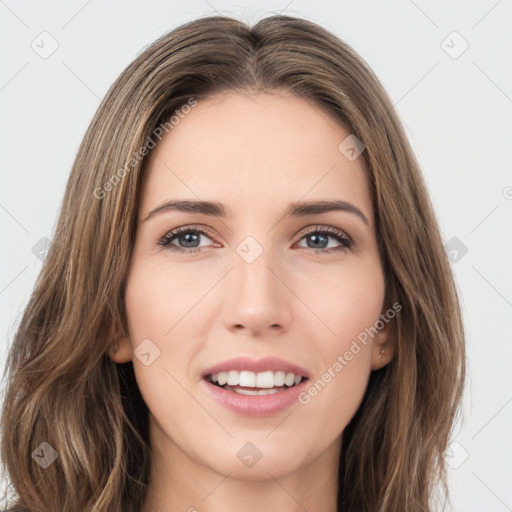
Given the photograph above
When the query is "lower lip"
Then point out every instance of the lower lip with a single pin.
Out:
(256, 405)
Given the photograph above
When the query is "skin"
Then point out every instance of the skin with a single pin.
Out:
(254, 153)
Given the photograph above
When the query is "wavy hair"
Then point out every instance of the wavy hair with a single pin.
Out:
(63, 389)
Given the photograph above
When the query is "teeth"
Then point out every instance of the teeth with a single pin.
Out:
(279, 378)
(265, 380)
(247, 379)
(232, 378)
(242, 391)
(267, 391)
(289, 380)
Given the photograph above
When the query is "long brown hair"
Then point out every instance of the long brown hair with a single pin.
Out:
(63, 389)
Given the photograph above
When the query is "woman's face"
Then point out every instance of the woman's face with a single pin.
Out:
(266, 274)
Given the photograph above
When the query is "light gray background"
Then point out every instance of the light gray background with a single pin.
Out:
(457, 112)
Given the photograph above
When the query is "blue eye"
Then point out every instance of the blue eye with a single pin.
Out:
(189, 239)
(320, 240)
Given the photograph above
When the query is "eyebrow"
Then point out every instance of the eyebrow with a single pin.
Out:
(298, 209)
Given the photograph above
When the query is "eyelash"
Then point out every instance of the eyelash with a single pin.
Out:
(345, 241)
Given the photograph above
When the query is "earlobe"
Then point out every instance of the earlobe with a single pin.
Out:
(383, 348)
(120, 350)
(381, 356)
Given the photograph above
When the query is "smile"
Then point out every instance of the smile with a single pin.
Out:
(255, 388)
(251, 383)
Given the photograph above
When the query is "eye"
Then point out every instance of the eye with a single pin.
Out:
(188, 239)
(317, 240)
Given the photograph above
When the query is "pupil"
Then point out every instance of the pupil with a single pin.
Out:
(186, 239)
(317, 237)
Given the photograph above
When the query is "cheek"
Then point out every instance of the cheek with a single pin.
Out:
(347, 302)
(158, 296)
(164, 315)
(156, 303)
(349, 308)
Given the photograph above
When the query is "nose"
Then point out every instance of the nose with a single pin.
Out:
(258, 301)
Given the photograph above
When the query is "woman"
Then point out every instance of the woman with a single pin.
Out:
(247, 304)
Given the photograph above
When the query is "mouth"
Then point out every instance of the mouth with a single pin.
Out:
(255, 388)
(252, 383)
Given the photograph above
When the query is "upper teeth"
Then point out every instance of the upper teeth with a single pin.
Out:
(266, 379)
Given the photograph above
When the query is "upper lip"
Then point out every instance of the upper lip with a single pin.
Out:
(261, 365)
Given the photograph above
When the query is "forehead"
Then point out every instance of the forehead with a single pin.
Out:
(256, 150)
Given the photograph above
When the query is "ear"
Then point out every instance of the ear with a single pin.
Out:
(384, 343)
(120, 350)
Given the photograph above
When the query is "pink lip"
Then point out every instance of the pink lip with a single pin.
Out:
(255, 405)
(261, 365)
